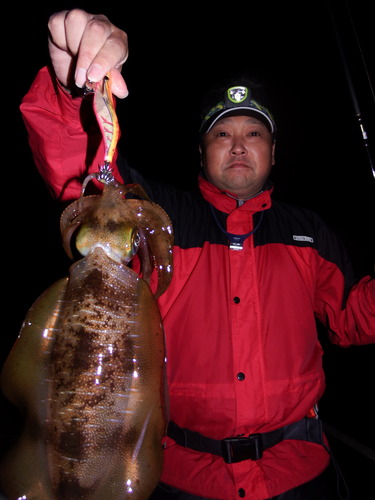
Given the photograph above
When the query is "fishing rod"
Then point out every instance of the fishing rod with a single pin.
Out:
(357, 110)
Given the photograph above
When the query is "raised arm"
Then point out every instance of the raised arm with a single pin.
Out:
(63, 135)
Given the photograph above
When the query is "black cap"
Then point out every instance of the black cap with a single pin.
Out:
(237, 100)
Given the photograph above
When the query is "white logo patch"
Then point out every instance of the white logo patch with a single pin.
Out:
(297, 237)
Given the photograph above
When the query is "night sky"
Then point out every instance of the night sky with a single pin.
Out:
(176, 51)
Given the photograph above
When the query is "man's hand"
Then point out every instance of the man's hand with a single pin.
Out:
(85, 47)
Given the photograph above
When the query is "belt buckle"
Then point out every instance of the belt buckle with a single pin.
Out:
(237, 449)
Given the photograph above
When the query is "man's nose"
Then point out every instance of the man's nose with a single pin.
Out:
(238, 148)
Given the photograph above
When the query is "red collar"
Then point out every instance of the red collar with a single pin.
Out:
(226, 202)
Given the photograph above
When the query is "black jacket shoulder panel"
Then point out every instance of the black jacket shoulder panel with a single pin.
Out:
(291, 225)
(282, 223)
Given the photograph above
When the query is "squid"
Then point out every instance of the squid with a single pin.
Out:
(87, 370)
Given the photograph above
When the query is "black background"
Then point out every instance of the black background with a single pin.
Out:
(176, 50)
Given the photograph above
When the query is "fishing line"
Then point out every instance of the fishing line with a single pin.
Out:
(357, 110)
(360, 51)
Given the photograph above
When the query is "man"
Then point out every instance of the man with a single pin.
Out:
(251, 275)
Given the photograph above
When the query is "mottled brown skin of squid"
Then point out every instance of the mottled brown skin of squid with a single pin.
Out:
(88, 369)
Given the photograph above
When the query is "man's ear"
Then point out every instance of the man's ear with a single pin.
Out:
(273, 152)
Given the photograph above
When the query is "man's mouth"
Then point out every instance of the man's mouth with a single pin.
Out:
(238, 164)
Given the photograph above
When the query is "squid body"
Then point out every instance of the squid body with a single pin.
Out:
(87, 370)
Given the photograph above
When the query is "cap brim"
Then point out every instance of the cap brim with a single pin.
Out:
(239, 111)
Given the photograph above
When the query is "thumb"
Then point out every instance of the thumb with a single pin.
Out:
(118, 85)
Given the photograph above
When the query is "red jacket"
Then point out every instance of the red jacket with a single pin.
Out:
(242, 346)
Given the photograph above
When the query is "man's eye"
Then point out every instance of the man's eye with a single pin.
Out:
(254, 133)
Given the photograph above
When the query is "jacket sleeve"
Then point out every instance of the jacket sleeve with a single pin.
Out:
(357, 320)
(346, 307)
(64, 136)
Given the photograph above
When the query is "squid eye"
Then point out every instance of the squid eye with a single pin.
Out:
(136, 240)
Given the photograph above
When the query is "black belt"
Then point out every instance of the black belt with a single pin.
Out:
(236, 449)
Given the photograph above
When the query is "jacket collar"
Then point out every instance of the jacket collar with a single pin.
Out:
(227, 202)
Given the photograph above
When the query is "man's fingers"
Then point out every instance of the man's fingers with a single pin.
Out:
(97, 45)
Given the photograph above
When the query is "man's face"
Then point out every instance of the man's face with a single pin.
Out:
(238, 154)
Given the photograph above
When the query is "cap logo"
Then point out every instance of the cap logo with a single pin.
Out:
(237, 94)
